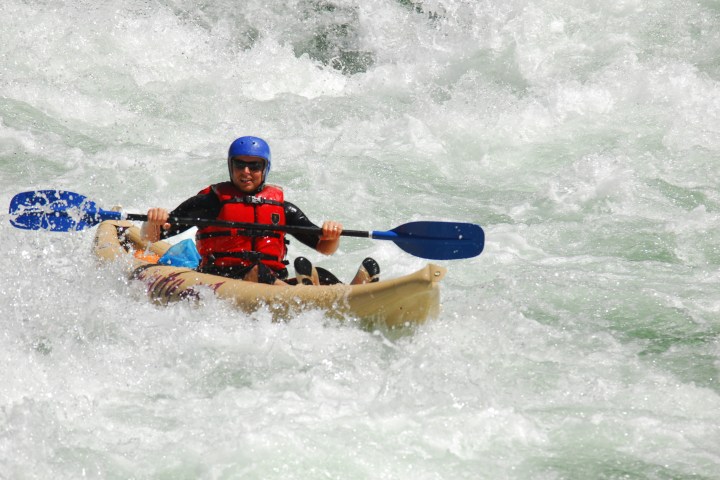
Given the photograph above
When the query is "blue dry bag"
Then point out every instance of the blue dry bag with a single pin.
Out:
(182, 254)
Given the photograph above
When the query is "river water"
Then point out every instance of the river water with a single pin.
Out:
(584, 136)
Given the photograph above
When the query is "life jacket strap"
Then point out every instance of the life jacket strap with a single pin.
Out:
(254, 257)
(253, 200)
(239, 233)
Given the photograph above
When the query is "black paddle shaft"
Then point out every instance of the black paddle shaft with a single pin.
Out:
(204, 222)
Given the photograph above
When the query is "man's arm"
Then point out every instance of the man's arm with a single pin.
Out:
(200, 206)
(326, 242)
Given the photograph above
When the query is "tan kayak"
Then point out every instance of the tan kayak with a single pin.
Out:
(395, 302)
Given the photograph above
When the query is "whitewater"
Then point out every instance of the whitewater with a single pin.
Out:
(583, 136)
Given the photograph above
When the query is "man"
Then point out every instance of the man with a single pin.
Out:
(252, 255)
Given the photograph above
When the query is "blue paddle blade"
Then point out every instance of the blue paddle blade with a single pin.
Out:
(437, 240)
(53, 210)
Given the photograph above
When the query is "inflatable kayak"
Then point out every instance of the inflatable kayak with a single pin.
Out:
(394, 302)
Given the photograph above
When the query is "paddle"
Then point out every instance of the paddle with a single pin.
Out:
(62, 211)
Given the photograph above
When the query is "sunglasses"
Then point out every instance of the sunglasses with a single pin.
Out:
(252, 166)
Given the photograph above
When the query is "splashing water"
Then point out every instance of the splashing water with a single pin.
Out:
(584, 137)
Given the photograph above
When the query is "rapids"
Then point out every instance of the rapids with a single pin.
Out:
(584, 136)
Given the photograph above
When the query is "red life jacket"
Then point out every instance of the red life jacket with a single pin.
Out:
(226, 247)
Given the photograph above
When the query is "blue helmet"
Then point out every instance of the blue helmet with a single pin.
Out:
(253, 146)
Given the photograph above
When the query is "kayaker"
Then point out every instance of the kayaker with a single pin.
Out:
(252, 255)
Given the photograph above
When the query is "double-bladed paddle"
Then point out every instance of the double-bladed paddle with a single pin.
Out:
(63, 211)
